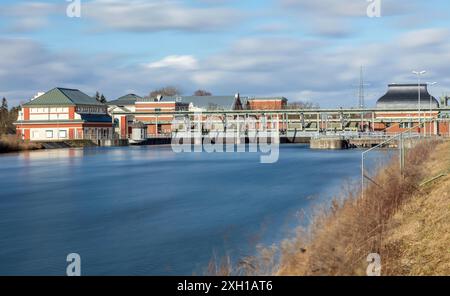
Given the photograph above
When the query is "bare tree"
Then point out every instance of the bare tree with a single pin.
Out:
(202, 93)
(302, 105)
(168, 91)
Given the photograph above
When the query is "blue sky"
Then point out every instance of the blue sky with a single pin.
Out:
(301, 49)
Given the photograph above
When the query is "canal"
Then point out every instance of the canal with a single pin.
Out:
(149, 211)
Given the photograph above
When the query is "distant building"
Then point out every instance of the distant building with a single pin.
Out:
(64, 114)
(126, 103)
(208, 103)
(157, 124)
(406, 96)
(399, 109)
(161, 124)
(274, 103)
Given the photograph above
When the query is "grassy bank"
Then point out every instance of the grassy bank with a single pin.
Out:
(12, 143)
(402, 218)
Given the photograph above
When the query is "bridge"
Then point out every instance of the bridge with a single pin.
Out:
(306, 122)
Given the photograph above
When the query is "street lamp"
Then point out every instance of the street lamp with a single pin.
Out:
(419, 73)
(431, 84)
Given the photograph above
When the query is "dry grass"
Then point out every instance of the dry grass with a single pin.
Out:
(420, 229)
(11, 143)
(340, 237)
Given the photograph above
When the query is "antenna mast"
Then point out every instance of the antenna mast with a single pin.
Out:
(361, 88)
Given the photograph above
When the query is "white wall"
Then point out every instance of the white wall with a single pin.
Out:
(41, 134)
(57, 113)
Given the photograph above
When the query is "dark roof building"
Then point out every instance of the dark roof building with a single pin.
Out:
(125, 100)
(406, 96)
(208, 103)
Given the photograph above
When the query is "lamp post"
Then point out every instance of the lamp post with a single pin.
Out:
(419, 73)
(431, 97)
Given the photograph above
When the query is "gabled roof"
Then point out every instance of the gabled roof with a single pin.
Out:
(63, 97)
(125, 100)
(206, 102)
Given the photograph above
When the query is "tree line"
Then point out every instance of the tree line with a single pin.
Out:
(7, 118)
(171, 91)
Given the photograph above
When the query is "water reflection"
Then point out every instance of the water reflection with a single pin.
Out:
(147, 210)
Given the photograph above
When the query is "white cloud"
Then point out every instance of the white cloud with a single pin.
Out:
(425, 37)
(185, 62)
(29, 16)
(293, 67)
(334, 18)
(149, 16)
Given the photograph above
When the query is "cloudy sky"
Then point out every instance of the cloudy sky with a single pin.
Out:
(302, 49)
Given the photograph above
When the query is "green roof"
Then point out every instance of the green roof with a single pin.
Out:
(63, 97)
(129, 99)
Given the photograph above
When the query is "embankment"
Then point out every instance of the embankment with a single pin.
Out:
(11, 143)
(402, 218)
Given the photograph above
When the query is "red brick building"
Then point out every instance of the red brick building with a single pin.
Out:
(64, 114)
(404, 99)
(276, 103)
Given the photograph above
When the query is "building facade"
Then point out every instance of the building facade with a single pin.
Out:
(399, 110)
(161, 124)
(64, 114)
(278, 103)
(123, 123)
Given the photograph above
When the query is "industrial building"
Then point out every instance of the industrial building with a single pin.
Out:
(400, 109)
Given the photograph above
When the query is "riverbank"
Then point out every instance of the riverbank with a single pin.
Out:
(11, 143)
(404, 219)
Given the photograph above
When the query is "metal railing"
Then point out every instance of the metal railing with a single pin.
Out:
(394, 140)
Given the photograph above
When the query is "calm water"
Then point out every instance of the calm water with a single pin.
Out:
(147, 210)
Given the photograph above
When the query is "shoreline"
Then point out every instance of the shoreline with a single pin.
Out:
(403, 219)
(391, 221)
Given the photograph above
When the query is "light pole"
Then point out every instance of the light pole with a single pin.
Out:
(431, 97)
(419, 73)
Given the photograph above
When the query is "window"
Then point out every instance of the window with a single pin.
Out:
(63, 134)
(157, 109)
(49, 134)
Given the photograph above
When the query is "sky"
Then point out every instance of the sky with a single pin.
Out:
(305, 50)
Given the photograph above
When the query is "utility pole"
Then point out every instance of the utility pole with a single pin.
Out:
(361, 95)
(361, 89)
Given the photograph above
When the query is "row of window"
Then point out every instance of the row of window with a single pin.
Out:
(61, 134)
(48, 110)
(91, 110)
